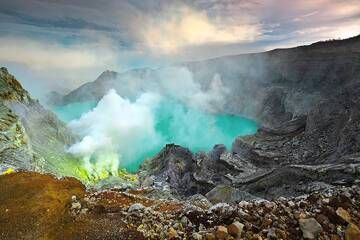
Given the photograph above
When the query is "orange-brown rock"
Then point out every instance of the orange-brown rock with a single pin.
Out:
(37, 206)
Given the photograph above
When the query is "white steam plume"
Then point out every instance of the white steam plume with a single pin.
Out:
(111, 130)
(179, 83)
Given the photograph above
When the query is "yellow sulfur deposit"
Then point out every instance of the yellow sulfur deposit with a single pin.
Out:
(8, 171)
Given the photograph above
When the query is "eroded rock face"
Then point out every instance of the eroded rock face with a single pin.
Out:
(33, 137)
(173, 167)
(14, 142)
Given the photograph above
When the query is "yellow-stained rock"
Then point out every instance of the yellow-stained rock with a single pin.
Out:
(343, 214)
(352, 232)
(172, 233)
(221, 232)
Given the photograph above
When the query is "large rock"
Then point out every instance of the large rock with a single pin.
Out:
(173, 165)
(221, 233)
(310, 228)
(228, 194)
(352, 232)
(235, 229)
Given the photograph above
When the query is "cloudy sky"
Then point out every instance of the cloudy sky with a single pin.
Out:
(63, 43)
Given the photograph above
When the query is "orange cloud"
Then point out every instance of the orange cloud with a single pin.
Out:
(184, 27)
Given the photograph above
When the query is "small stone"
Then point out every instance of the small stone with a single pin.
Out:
(302, 204)
(302, 215)
(136, 207)
(184, 221)
(272, 233)
(172, 233)
(84, 211)
(210, 236)
(291, 204)
(267, 222)
(339, 230)
(282, 199)
(235, 229)
(281, 233)
(202, 227)
(335, 237)
(148, 181)
(196, 236)
(324, 221)
(243, 204)
(310, 228)
(256, 237)
(343, 214)
(75, 205)
(352, 232)
(178, 226)
(221, 232)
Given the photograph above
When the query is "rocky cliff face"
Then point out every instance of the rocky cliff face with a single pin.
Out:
(275, 86)
(31, 136)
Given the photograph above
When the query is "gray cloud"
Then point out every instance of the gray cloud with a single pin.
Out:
(39, 36)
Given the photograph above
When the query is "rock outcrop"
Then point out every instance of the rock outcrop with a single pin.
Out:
(32, 138)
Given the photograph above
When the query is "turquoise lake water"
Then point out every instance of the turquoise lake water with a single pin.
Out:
(74, 110)
(176, 123)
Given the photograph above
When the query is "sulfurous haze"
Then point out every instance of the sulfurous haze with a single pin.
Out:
(173, 108)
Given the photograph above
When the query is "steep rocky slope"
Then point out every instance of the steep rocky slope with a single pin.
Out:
(32, 137)
(15, 150)
(275, 86)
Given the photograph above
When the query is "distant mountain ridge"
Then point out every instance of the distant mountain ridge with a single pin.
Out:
(309, 72)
